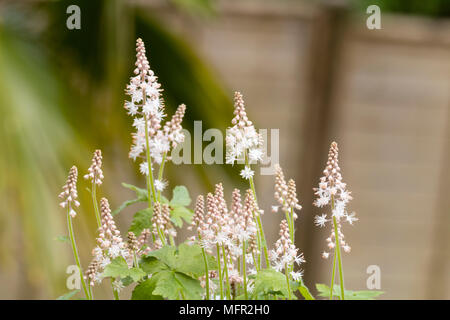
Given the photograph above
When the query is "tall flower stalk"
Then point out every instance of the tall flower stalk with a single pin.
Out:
(69, 196)
(332, 191)
(243, 141)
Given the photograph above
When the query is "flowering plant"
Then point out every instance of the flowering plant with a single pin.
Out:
(227, 256)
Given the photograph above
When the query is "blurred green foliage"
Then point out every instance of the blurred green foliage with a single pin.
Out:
(61, 97)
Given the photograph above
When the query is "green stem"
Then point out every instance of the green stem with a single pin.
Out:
(150, 184)
(75, 252)
(228, 291)
(244, 270)
(286, 272)
(115, 293)
(161, 236)
(258, 219)
(206, 273)
(135, 259)
(172, 242)
(333, 275)
(94, 202)
(219, 271)
(160, 173)
(338, 250)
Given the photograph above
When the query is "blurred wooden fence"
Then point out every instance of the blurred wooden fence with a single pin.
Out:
(318, 74)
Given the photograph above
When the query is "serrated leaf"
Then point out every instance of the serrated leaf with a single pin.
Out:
(166, 285)
(144, 291)
(190, 260)
(119, 268)
(187, 259)
(175, 285)
(62, 238)
(68, 295)
(180, 196)
(269, 281)
(166, 254)
(324, 291)
(141, 220)
(191, 288)
(180, 213)
(152, 265)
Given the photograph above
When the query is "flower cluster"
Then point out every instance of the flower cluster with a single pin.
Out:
(95, 172)
(147, 106)
(332, 191)
(218, 226)
(242, 139)
(70, 193)
(285, 253)
(110, 245)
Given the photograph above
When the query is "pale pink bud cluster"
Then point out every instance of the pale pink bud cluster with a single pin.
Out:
(70, 193)
(161, 220)
(138, 245)
(95, 172)
(173, 129)
(92, 273)
(242, 139)
(332, 191)
(285, 193)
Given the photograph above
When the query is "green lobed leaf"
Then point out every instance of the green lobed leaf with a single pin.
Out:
(119, 268)
(152, 265)
(141, 220)
(180, 196)
(191, 288)
(166, 285)
(144, 291)
(166, 254)
(324, 291)
(175, 285)
(269, 281)
(180, 213)
(187, 259)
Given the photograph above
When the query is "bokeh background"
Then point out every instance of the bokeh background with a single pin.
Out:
(310, 68)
